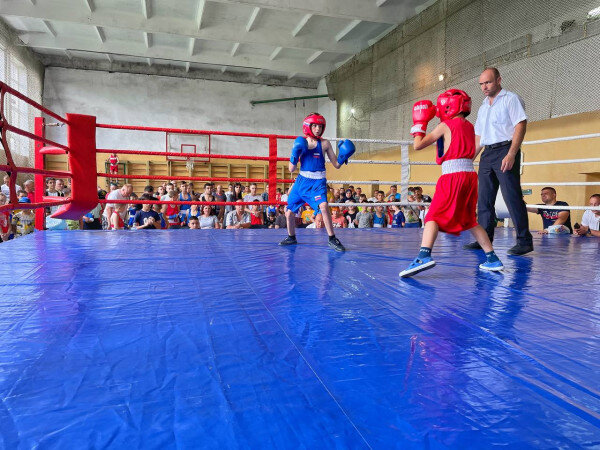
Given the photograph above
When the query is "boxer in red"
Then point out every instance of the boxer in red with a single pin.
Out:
(453, 206)
(113, 160)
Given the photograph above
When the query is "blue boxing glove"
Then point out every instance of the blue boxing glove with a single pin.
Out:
(345, 150)
(300, 146)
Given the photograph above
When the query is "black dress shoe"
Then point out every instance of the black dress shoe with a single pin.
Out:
(520, 249)
(472, 246)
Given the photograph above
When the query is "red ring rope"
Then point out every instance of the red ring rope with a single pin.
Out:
(185, 178)
(184, 155)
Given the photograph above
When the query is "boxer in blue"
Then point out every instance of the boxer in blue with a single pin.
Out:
(311, 185)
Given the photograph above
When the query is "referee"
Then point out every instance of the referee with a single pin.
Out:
(500, 129)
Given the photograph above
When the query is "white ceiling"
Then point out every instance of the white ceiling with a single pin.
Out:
(302, 39)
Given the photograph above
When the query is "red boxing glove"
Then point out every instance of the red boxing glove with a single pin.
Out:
(423, 112)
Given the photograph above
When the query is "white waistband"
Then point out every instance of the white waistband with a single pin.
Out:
(313, 175)
(457, 165)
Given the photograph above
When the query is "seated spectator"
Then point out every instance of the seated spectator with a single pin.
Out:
(220, 196)
(357, 192)
(184, 196)
(365, 218)
(337, 196)
(308, 216)
(158, 209)
(60, 187)
(194, 211)
(5, 220)
(284, 196)
(398, 220)
(256, 216)
(160, 192)
(590, 222)
(270, 219)
(351, 218)
(238, 218)
(418, 193)
(556, 221)
(208, 219)
(23, 220)
(348, 197)
(171, 211)
(93, 219)
(193, 223)
(169, 187)
(253, 194)
(131, 210)
(280, 219)
(148, 190)
(147, 218)
(318, 222)
(337, 220)
(379, 218)
(5, 189)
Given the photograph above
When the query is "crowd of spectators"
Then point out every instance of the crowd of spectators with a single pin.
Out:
(135, 215)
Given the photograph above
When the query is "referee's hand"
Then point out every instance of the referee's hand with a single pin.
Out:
(507, 163)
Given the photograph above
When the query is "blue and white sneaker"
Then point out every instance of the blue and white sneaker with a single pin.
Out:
(495, 266)
(418, 265)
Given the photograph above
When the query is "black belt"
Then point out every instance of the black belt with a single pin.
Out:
(499, 144)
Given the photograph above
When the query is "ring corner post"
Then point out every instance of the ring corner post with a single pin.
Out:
(405, 171)
(272, 168)
(39, 123)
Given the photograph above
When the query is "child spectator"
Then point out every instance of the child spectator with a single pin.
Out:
(379, 218)
(131, 210)
(194, 211)
(351, 217)
(307, 216)
(184, 196)
(398, 219)
(193, 223)
(338, 221)
(280, 220)
(270, 219)
(256, 216)
(411, 214)
(23, 220)
(171, 211)
(158, 209)
(364, 219)
(5, 221)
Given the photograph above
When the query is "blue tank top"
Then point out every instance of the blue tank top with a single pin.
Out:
(313, 160)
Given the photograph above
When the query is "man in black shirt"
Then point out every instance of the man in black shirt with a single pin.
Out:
(553, 218)
(146, 218)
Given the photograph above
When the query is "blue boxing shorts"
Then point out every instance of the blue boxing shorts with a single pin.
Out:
(307, 190)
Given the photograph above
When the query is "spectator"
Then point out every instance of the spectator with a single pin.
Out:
(93, 219)
(51, 191)
(169, 187)
(398, 220)
(418, 193)
(379, 218)
(590, 222)
(351, 217)
(207, 196)
(270, 219)
(393, 195)
(5, 189)
(238, 218)
(171, 211)
(307, 216)
(357, 192)
(253, 195)
(149, 190)
(286, 193)
(194, 211)
(113, 186)
(280, 220)
(338, 221)
(194, 223)
(131, 210)
(60, 186)
(146, 218)
(348, 196)
(29, 187)
(256, 216)
(220, 196)
(184, 196)
(337, 196)
(411, 214)
(278, 194)
(208, 219)
(5, 222)
(556, 221)
(23, 220)
(364, 219)
(160, 192)
(158, 210)
(318, 222)
(113, 161)
(120, 209)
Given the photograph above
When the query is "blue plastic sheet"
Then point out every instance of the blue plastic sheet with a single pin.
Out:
(222, 339)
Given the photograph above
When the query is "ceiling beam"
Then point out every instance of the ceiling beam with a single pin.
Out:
(200, 13)
(110, 58)
(301, 24)
(252, 20)
(313, 57)
(180, 27)
(380, 3)
(100, 33)
(139, 50)
(90, 5)
(49, 27)
(69, 54)
(146, 9)
(187, 66)
(392, 13)
(235, 48)
(351, 26)
(148, 39)
(149, 61)
(276, 52)
(192, 47)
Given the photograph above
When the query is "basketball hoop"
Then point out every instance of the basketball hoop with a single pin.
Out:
(189, 165)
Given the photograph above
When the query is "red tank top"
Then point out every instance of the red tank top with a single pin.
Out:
(462, 144)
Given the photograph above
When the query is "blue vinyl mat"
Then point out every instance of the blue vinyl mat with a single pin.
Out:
(222, 339)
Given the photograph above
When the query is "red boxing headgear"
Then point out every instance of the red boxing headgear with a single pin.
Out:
(453, 102)
(313, 119)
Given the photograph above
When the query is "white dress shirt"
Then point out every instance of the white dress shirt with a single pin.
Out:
(496, 122)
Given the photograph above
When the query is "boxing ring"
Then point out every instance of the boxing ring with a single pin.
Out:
(222, 339)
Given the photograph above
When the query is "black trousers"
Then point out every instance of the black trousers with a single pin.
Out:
(490, 178)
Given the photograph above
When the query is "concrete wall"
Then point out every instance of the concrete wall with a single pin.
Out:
(131, 99)
(545, 49)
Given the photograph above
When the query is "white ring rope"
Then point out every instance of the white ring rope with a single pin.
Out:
(579, 208)
(560, 161)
